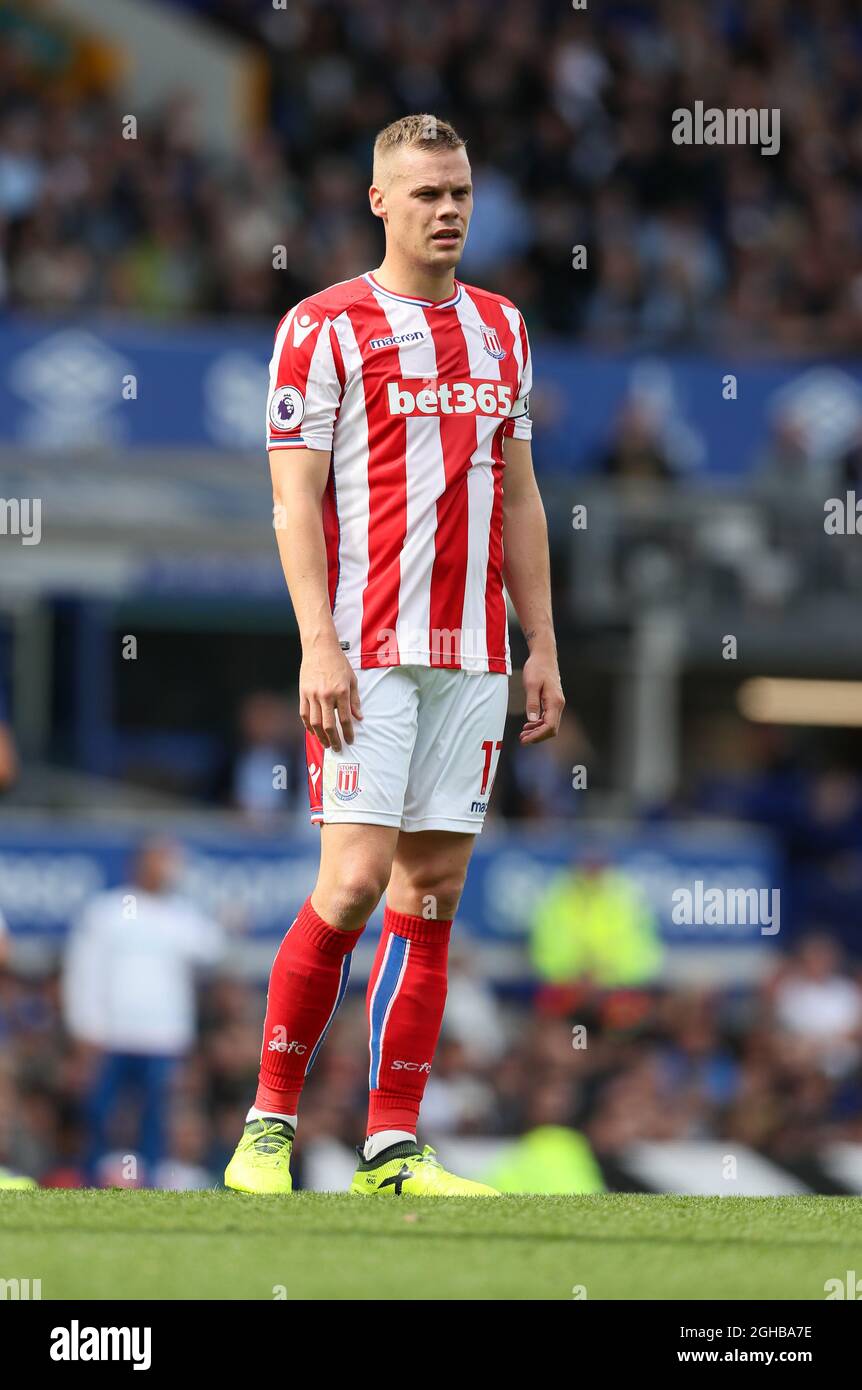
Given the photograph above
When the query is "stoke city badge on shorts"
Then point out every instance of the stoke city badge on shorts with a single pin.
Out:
(346, 781)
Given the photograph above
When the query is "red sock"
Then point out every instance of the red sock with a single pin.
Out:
(405, 1002)
(307, 984)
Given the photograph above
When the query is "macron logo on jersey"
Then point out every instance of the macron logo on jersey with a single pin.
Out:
(302, 327)
(450, 398)
(395, 338)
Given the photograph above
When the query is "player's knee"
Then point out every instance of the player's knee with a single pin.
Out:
(438, 895)
(354, 897)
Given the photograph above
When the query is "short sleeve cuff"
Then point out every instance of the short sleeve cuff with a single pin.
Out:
(304, 441)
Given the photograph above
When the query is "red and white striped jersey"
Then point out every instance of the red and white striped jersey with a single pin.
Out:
(413, 399)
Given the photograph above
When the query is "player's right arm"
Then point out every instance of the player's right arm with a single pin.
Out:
(306, 382)
(327, 681)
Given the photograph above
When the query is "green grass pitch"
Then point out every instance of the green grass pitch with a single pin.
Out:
(219, 1245)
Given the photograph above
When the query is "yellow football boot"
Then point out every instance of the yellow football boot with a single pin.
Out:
(405, 1170)
(16, 1181)
(261, 1163)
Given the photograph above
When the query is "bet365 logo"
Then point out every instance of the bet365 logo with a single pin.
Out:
(449, 398)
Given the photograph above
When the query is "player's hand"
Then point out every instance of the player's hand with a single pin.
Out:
(544, 701)
(328, 687)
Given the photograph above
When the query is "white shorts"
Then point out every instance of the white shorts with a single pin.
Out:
(424, 756)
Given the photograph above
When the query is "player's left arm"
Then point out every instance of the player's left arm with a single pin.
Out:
(527, 577)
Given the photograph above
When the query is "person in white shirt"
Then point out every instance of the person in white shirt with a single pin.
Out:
(129, 991)
(818, 1007)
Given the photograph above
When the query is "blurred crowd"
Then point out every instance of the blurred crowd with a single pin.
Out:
(776, 1066)
(568, 118)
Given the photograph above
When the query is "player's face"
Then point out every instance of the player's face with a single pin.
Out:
(426, 205)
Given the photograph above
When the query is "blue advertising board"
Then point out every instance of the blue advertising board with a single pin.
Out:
(103, 385)
(49, 868)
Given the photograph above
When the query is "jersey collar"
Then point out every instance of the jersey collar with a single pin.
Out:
(411, 299)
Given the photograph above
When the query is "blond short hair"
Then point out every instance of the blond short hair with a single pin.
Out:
(423, 132)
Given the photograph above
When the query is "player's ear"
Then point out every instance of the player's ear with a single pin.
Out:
(377, 200)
